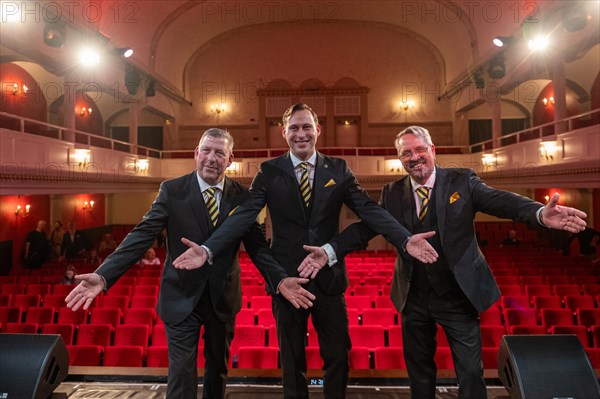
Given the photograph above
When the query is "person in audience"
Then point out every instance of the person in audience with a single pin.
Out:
(190, 299)
(108, 244)
(75, 243)
(588, 242)
(69, 275)
(92, 258)
(56, 239)
(150, 258)
(511, 240)
(305, 191)
(37, 248)
(459, 286)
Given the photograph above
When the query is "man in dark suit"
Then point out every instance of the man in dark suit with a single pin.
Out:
(75, 243)
(305, 191)
(459, 285)
(192, 206)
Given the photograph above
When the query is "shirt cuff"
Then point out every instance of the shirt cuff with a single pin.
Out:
(540, 218)
(210, 254)
(104, 285)
(331, 256)
(405, 243)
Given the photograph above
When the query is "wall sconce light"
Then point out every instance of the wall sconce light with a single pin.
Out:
(85, 111)
(406, 105)
(548, 150)
(15, 89)
(19, 211)
(548, 101)
(547, 198)
(142, 165)
(88, 206)
(233, 168)
(81, 157)
(217, 108)
(489, 160)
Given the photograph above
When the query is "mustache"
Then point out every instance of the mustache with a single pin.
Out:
(412, 164)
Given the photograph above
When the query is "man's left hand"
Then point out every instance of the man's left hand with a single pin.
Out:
(563, 217)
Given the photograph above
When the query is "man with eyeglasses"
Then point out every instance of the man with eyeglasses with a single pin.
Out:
(455, 289)
(304, 191)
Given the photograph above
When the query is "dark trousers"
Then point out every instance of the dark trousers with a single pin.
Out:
(330, 320)
(183, 353)
(460, 322)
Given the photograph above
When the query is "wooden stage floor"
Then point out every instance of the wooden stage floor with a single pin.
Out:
(149, 383)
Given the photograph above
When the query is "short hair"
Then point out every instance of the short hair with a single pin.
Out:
(418, 131)
(296, 108)
(219, 133)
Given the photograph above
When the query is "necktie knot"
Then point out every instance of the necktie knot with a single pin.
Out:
(212, 205)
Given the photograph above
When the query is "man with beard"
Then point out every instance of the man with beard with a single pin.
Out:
(455, 289)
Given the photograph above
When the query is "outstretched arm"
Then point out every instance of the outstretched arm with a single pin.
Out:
(562, 217)
(417, 247)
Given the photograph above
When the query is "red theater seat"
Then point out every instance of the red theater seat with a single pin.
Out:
(359, 358)
(132, 335)
(313, 358)
(110, 316)
(258, 357)
(367, 336)
(491, 336)
(39, 315)
(382, 317)
(159, 335)
(84, 355)
(158, 356)
(556, 317)
(10, 314)
(580, 331)
(19, 328)
(94, 334)
(389, 358)
(123, 356)
(66, 331)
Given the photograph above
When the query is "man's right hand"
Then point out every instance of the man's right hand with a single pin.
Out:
(89, 287)
(314, 261)
(291, 289)
(194, 258)
(418, 247)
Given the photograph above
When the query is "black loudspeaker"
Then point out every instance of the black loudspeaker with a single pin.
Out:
(546, 366)
(31, 365)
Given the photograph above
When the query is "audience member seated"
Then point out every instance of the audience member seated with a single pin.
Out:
(69, 276)
(93, 259)
(588, 242)
(150, 258)
(511, 240)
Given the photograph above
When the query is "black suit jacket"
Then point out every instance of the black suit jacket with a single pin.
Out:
(276, 186)
(459, 195)
(179, 207)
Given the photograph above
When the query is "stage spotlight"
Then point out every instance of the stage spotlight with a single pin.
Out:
(500, 41)
(132, 80)
(150, 91)
(575, 20)
(89, 57)
(54, 34)
(125, 52)
(496, 68)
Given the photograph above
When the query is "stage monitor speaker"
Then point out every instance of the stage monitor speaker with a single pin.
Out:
(546, 366)
(31, 365)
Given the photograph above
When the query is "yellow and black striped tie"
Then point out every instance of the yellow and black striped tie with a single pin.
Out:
(304, 184)
(423, 193)
(211, 205)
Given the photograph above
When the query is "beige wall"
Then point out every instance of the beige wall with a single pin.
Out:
(128, 208)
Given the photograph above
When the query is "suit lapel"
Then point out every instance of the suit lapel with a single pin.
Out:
(290, 184)
(442, 186)
(408, 204)
(323, 174)
(226, 198)
(195, 201)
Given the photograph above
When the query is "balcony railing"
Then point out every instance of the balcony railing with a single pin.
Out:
(77, 137)
(589, 118)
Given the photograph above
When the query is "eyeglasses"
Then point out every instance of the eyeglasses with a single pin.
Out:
(406, 155)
